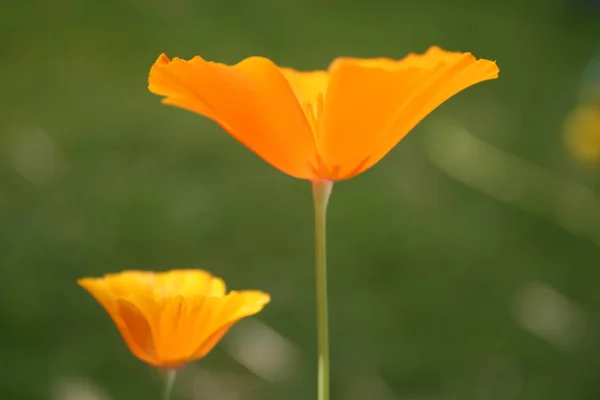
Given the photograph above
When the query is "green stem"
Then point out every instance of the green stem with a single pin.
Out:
(321, 193)
(169, 381)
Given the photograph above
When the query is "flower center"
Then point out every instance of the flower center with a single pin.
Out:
(313, 111)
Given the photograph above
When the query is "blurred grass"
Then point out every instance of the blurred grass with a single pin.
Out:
(423, 269)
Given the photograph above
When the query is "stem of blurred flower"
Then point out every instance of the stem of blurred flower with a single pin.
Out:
(321, 193)
(169, 381)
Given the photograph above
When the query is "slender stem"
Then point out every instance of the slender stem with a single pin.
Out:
(169, 381)
(321, 193)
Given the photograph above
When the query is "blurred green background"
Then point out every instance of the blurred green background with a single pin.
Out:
(465, 265)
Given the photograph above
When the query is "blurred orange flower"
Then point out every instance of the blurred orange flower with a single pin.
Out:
(170, 318)
(322, 125)
(582, 133)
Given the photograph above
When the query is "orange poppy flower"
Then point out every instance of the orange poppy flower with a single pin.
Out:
(170, 318)
(322, 125)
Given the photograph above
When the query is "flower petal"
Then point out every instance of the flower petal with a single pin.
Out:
(179, 324)
(212, 341)
(137, 332)
(372, 104)
(307, 86)
(187, 328)
(226, 312)
(122, 283)
(187, 282)
(251, 100)
(97, 288)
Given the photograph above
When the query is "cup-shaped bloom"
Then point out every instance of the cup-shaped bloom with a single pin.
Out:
(321, 125)
(170, 318)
